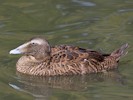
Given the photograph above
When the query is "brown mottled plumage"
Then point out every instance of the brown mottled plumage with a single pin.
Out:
(42, 60)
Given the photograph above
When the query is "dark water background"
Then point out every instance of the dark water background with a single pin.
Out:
(99, 24)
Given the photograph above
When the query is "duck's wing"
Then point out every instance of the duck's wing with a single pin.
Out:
(75, 54)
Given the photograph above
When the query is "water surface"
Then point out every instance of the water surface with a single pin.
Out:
(99, 24)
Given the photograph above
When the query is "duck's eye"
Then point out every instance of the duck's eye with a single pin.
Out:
(33, 43)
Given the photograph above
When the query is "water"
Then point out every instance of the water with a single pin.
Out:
(99, 24)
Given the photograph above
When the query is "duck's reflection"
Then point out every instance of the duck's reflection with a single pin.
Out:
(42, 87)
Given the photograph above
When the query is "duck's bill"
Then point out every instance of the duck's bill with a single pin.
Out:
(19, 50)
(15, 51)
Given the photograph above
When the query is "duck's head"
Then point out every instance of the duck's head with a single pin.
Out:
(36, 47)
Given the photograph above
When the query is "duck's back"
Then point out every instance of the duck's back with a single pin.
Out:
(74, 53)
(75, 60)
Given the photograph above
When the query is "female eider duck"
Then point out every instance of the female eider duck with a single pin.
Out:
(40, 59)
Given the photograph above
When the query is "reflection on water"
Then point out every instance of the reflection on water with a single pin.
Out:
(41, 87)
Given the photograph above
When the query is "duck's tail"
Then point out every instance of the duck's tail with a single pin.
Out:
(120, 52)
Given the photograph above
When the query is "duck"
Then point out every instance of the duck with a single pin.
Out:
(40, 59)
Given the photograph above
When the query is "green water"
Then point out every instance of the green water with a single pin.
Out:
(99, 24)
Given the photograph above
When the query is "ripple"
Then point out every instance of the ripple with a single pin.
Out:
(84, 41)
(14, 86)
(59, 6)
(125, 10)
(84, 3)
(85, 34)
(69, 24)
(65, 36)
